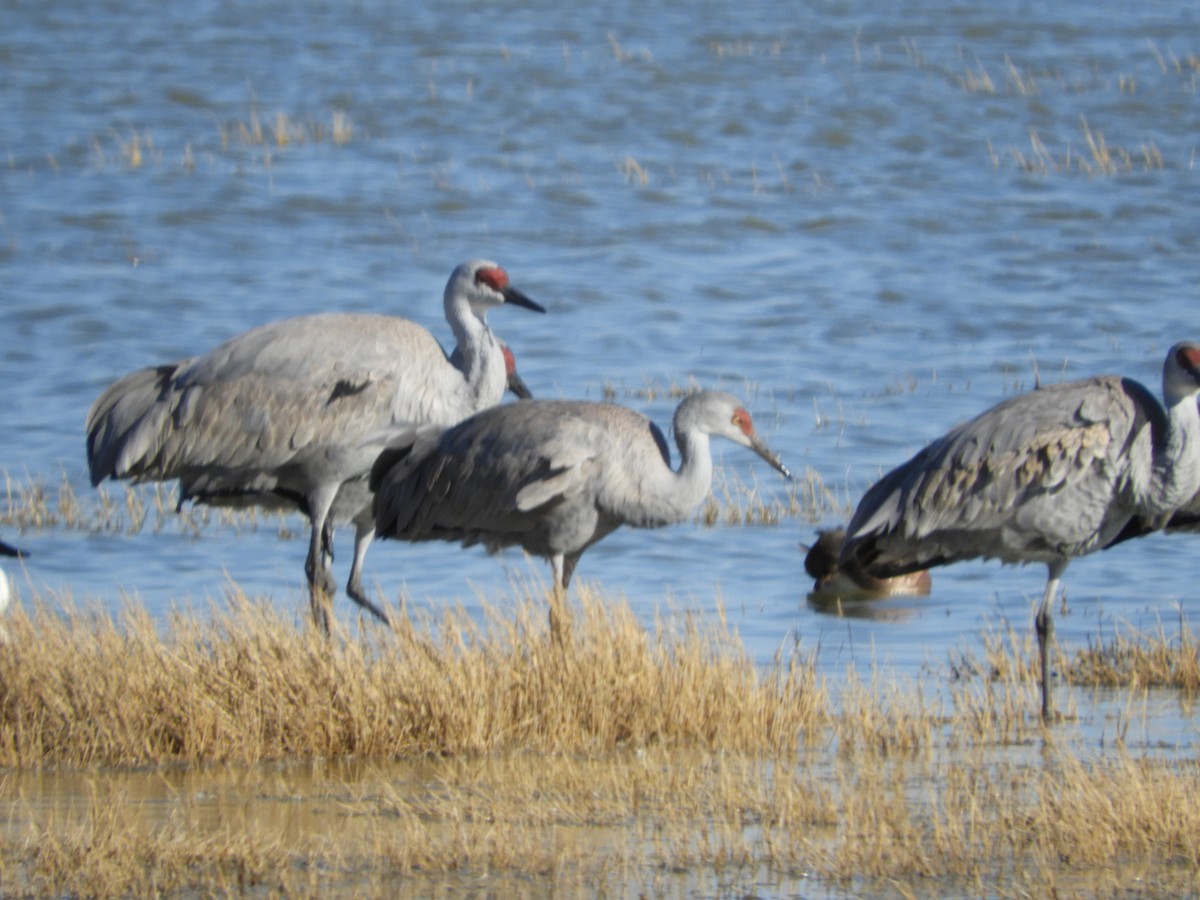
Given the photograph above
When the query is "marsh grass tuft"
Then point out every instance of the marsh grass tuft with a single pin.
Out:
(249, 686)
(1098, 158)
(135, 149)
(1141, 661)
(736, 502)
(284, 130)
(34, 505)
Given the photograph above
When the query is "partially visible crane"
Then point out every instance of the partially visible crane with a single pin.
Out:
(6, 590)
(556, 476)
(832, 580)
(291, 415)
(1045, 476)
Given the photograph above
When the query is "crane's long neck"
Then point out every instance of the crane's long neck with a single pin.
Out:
(1175, 460)
(481, 360)
(687, 487)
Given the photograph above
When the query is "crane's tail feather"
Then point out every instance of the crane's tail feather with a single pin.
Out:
(125, 423)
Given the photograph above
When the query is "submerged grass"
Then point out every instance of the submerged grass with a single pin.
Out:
(1094, 156)
(661, 822)
(737, 502)
(33, 504)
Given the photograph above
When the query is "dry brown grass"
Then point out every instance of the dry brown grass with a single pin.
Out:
(1141, 661)
(284, 129)
(1094, 156)
(32, 504)
(132, 149)
(1128, 660)
(241, 754)
(737, 502)
(87, 689)
(659, 820)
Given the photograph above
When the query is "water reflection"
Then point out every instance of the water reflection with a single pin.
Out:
(856, 603)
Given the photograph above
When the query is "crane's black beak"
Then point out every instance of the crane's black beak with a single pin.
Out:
(517, 385)
(516, 298)
(10, 550)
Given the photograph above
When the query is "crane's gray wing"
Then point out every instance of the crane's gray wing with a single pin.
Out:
(1040, 467)
(295, 395)
(487, 473)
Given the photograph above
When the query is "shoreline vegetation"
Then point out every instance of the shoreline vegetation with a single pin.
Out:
(34, 504)
(241, 752)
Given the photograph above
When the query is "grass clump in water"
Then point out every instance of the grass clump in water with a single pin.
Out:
(1141, 661)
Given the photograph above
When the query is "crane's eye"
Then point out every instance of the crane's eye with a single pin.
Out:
(742, 420)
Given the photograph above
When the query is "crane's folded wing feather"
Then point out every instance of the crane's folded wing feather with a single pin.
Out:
(1010, 464)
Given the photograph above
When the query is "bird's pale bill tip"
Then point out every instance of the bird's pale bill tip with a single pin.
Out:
(776, 463)
(760, 447)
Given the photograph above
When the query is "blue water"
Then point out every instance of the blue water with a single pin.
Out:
(869, 220)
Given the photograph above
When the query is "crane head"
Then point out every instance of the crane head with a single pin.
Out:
(484, 285)
(1181, 373)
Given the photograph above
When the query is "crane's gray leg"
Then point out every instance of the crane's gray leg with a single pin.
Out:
(364, 533)
(1044, 624)
(321, 586)
(560, 620)
(327, 544)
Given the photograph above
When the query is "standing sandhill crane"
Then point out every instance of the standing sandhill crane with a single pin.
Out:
(1045, 477)
(291, 415)
(556, 476)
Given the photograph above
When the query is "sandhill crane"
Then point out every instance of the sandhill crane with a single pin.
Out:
(1045, 477)
(831, 580)
(6, 590)
(556, 476)
(290, 415)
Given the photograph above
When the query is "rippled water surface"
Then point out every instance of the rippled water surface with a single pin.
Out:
(869, 220)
